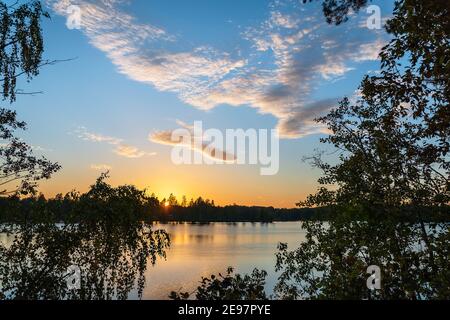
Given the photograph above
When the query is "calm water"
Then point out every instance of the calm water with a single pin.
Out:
(196, 250)
(202, 250)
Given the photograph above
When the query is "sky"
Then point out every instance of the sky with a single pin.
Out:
(140, 69)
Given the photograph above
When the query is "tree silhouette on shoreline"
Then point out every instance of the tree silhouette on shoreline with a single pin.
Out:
(105, 239)
(394, 144)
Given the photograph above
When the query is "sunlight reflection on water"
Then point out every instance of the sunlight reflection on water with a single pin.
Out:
(201, 250)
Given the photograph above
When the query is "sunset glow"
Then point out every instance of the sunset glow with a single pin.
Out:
(224, 68)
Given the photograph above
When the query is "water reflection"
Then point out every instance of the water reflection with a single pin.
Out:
(201, 250)
(120, 261)
(413, 260)
(112, 258)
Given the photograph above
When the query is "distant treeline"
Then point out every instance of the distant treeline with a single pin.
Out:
(236, 213)
(67, 208)
(127, 202)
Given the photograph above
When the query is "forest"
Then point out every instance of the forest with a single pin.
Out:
(132, 202)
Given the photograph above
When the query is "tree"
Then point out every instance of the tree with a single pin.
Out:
(104, 234)
(21, 48)
(21, 44)
(337, 11)
(172, 200)
(395, 138)
(332, 262)
(112, 257)
(394, 167)
(184, 201)
(228, 287)
(20, 170)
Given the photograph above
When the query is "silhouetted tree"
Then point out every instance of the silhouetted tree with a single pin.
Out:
(395, 143)
(228, 287)
(172, 200)
(20, 170)
(184, 202)
(21, 48)
(332, 263)
(104, 237)
(21, 44)
(337, 11)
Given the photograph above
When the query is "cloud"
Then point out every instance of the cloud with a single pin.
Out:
(120, 148)
(131, 152)
(291, 54)
(284, 21)
(369, 51)
(167, 137)
(138, 50)
(307, 116)
(101, 167)
(94, 137)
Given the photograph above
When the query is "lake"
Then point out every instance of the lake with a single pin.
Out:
(198, 250)
(113, 258)
(201, 250)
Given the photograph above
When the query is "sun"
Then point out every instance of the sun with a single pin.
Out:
(166, 204)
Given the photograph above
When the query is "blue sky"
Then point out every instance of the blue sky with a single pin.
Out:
(141, 67)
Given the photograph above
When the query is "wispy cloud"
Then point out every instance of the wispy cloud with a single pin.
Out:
(167, 137)
(131, 152)
(101, 167)
(120, 148)
(291, 54)
(95, 137)
(283, 20)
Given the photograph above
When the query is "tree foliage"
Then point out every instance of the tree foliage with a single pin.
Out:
(395, 138)
(21, 49)
(20, 170)
(393, 145)
(110, 244)
(21, 44)
(332, 263)
(337, 11)
(228, 287)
